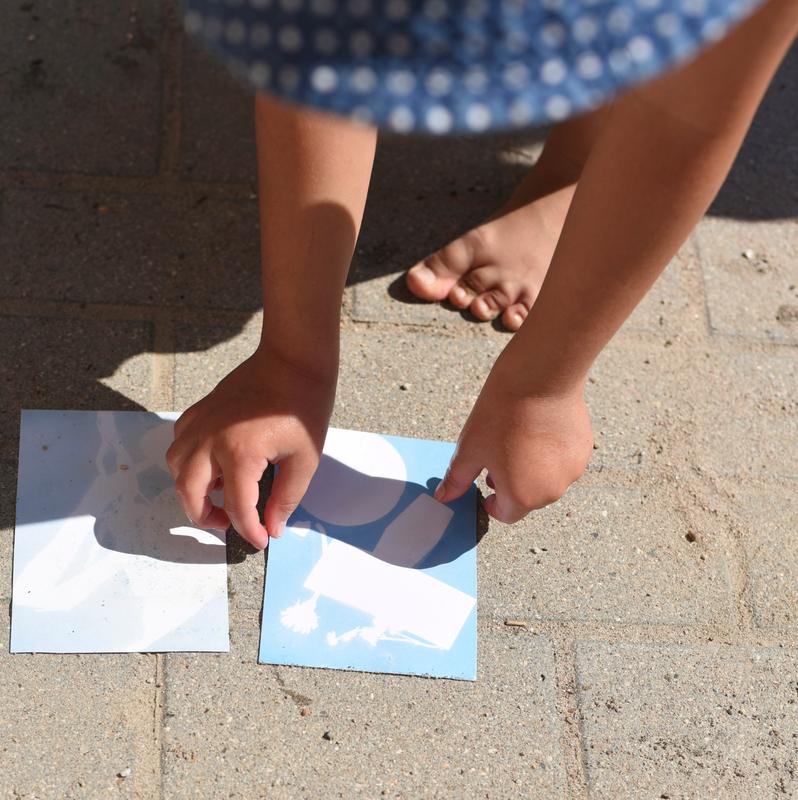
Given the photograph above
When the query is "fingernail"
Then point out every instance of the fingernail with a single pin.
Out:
(440, 492)
(424, 274)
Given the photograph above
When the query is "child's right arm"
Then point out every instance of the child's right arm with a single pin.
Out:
(314, 172)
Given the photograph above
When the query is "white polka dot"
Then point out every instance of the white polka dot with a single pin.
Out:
(438, 82)
(694, 8)
(363, 79)
(325, 41)
(520, 112)
(260, 4)
(585, 28)
(401, 81)
(557, 107)
(322, 8)
(398, 45)
(260, 74)
(358, 8)
(361, 43)
(260, 35)
(435, 9)
(516, 76)
(619, 20)
(192, 22)
(212, 28)
(397, 9)
(476, 8)
(235, 32)
(291, 6)
(475, 80)
(516, 40)
(553, 71)
(289, 78)
(402, 119)
(478, 117)
(553, 34)
(589, 66)
(667, 24)
(290, 38)
(324, 79)
(641, 49)
(714, 29)
(439, 119)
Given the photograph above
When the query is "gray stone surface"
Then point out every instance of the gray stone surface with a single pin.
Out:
(69, 725)
(746, 418)
(8, 490)
(218, 139)
(235, 728)
(606, 553)
(134, 249)
(766, 518)
(71, 363)
(751, 275)
(688, 722)
(81, 86)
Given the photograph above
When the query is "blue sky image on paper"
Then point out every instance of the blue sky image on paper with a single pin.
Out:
(372, 573)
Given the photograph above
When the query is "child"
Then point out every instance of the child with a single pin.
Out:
(612, 198)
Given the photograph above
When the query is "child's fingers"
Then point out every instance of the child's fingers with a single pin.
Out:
(462, 472)
(192, 482)
(240, 501)
(503, 509)
(288, 488)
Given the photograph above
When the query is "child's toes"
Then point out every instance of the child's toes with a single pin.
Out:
(514, 316)
(432, 278)
(461, 295)
(489, 305)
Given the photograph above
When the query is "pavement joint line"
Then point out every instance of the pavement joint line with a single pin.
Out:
(159, 716)
(172, 50)
(163, 364)
(567, 704)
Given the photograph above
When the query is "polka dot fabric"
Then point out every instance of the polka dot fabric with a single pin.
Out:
(440, 66)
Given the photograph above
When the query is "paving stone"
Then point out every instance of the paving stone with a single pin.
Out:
(71, 364)
(81, 86)
(751, 276)
(747, 412)
(235, 728)
(69, 725)
(218, 131)
(767, 518)
(688, 722)
(134, 249)
(606, 553)
(8, 504)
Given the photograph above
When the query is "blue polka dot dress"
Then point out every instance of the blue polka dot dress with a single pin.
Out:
(440, 66)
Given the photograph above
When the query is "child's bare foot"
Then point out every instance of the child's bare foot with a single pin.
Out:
(499, 266)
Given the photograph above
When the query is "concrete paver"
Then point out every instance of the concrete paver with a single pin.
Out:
(236, 728)
(688, 722)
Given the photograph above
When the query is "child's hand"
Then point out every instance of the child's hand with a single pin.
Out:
(267, 410)
(533, 446)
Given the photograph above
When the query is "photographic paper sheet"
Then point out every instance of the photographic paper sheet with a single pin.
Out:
(105, 559)
(372, 573)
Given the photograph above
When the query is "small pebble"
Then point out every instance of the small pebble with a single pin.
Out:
(404, 386)
(305, 712)
(326, 736)
(124, 466)
(690, 536)
(515, 623)
(125, 773)
(748, 254)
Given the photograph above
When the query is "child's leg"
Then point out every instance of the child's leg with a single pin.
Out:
(661, 157)
(498, 267)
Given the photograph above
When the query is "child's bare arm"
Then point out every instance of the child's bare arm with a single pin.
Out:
(314, 172)
(661, 157)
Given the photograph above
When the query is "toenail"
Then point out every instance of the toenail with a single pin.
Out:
(459, 293)
(517, 318)
(424, 274)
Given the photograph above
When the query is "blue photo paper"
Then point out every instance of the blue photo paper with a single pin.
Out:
(372, 573)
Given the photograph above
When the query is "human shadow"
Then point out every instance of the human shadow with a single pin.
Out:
(396, 521)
